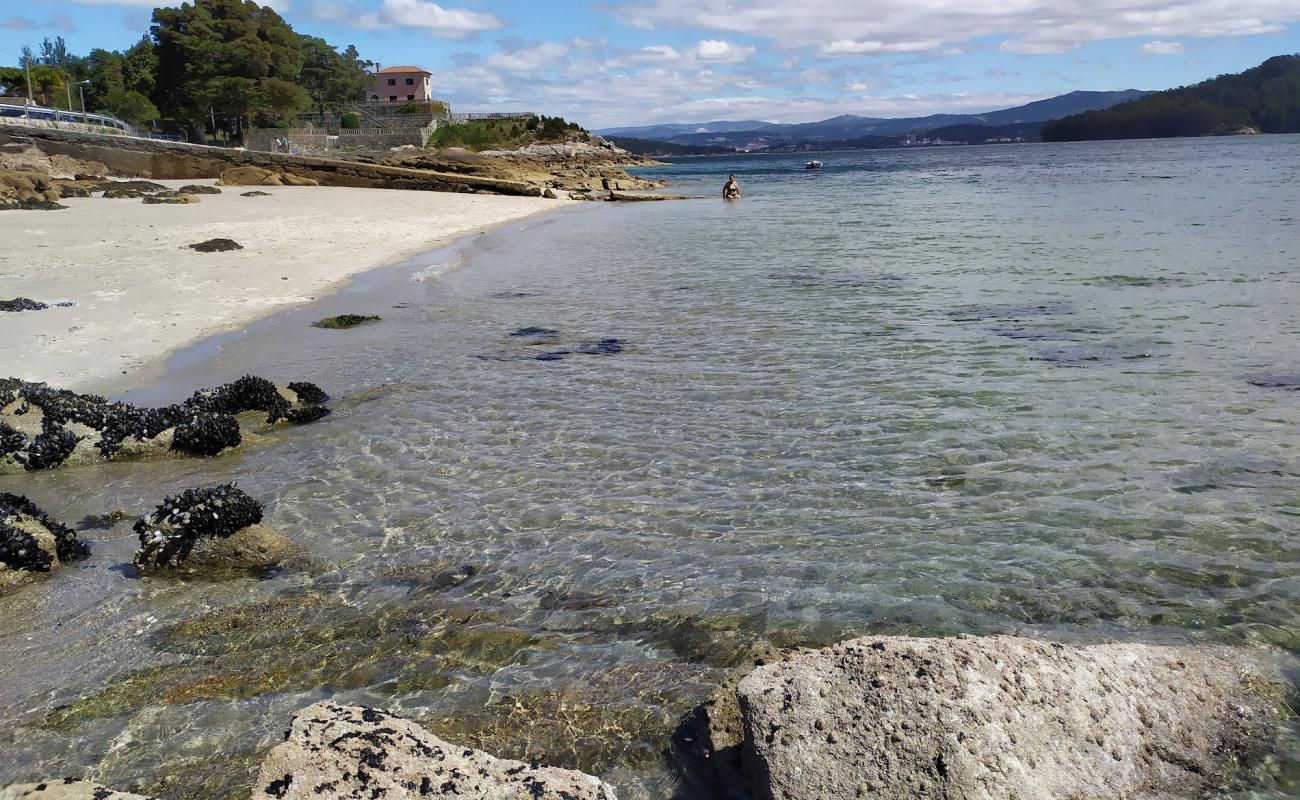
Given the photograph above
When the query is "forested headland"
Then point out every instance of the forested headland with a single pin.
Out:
(1263, 99)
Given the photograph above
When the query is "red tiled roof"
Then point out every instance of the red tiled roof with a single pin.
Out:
(404, 69)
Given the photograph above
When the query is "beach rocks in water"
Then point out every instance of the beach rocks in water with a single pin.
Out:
(344, 321)
(1005, 717)
(43, 428)
(22, 304)
(216, 246)
(198, 188)
(213, 529)
(31, 540)
(65, 789)
(343, 751)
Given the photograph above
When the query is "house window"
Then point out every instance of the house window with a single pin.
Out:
(410, 97)
(392, 98)
(410, 81)
(392, 81)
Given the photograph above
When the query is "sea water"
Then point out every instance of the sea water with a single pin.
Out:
(1000, 389)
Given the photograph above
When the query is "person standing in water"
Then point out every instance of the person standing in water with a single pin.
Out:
(731, 191)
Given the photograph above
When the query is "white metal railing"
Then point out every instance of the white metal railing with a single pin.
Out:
(9, 111)
(477, 115)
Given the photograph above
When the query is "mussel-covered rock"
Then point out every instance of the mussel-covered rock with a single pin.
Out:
(31, 540)
(43, 428)
(22, 304)
(212, 529)
(216, 245)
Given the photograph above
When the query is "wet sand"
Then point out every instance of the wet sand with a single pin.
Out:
(139, 292)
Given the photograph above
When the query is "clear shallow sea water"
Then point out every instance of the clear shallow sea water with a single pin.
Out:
(967, 390)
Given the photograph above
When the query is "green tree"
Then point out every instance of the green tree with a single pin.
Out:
(213, 56)
(140, 67)
(334, 80)
(131, 106)
(280, 100)
(104, 71)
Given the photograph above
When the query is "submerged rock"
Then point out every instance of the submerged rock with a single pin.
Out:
(43, 428)
(344, 321)
(1003, 716)
(31, 540)
(341, 751)
(214, 529)
(22, 304)
(601, 347)
(216, 246)
(65, 789)
(1264, 381)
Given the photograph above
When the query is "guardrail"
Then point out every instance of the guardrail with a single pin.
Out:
(469, 117)
(59, 115)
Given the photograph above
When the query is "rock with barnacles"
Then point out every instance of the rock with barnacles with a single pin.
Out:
(31, 540)
(216, 529)
(44, 428)
(335, 751)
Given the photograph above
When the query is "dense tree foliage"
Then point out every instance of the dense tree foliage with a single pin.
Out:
(205, 66)
(505, 134)
(1265, 98)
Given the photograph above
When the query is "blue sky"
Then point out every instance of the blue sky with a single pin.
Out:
(615, 62)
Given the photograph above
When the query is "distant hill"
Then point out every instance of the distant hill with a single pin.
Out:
(650, 147)
(1265, 98)
(849, 130)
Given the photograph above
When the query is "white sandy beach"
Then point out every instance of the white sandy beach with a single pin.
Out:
(140, 292)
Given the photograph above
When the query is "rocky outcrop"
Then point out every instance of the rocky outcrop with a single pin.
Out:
(1001, 717)
(259, 176)
(31, 540)
(196, 188)
(170, 198)
(65, 789)
(208, 530)
(44, 428)
(334, 751)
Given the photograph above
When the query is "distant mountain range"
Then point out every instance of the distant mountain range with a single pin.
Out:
(850, 130)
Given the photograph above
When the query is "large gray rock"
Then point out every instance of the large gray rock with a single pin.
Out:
(64, 789)
(337, 751)
(1004, 717)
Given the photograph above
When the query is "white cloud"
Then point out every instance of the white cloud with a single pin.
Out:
(527, 59)
(852, 47)
(439, 22)
(1028, 26)
(657, 52)
(1159, 48)
(722, 51)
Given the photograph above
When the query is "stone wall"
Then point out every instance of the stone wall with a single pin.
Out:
(313, 141)
(161, 160)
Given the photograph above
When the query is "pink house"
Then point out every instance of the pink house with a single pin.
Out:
(400, 85)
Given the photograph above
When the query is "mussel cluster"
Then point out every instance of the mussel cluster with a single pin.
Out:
(19, 549)
(22, 304)
(204, 425)
(169, 532)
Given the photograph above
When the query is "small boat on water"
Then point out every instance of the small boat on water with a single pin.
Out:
(813, 165)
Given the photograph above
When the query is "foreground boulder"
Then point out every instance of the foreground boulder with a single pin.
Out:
(334, 751)
(1000, 717)
(65, 789)
(43, 428)
(208, 530)
(31, 540)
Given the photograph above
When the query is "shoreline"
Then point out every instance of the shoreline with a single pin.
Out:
(140, 295)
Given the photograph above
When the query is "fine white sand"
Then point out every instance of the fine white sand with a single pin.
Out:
(140, 293)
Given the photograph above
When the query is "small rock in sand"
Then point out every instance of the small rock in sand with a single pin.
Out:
(198, 188)
(216, 246)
